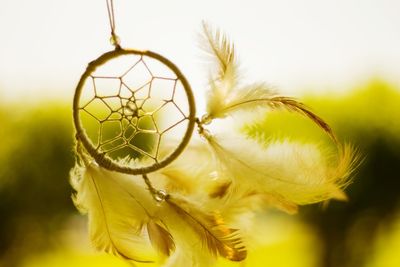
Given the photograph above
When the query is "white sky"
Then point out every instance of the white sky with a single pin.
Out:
(294, 45)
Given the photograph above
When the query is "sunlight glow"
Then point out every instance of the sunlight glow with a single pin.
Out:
(293, 45)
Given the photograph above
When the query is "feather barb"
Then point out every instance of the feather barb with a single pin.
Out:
(219, 239)
(160, 238)
(220, 48)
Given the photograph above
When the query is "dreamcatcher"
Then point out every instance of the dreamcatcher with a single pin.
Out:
(134, 115)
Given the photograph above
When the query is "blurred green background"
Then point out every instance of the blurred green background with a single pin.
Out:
(40, 227)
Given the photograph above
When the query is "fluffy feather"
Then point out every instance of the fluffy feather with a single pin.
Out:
(225, 97)
(222, 51)
(283, 174)
(124, 220)
(191, 174)
(210, 228)
(118, 208)
(189, 251)
(287, 172)
(202, 183)
(238, 99)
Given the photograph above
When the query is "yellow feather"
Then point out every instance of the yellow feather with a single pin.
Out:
(160, 238)
(223, 53)
(218, 46)
(226, 97)
(190, 174)
(219, 239)
(207, 228)
(118, 208)
(297, 173)
(124, 220)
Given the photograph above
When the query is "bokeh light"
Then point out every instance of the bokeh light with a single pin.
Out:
(341, 58)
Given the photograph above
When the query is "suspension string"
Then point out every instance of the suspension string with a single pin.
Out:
(111, 17)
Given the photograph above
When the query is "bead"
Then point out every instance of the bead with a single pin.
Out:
(206, 119)
(114, 40)
(160, 196)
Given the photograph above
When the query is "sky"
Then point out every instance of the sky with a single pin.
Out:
(295, 46)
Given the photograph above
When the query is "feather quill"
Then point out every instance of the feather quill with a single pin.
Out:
(260, 95)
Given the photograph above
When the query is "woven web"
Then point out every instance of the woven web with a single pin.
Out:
(131, 106)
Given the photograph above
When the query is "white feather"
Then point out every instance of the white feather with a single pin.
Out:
(248, 98)
(226, 97)
(287, 172)
(222, 51)
(190, 174)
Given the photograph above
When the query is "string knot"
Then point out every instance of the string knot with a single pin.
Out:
(115, 41)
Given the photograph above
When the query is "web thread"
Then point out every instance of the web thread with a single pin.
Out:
(131, 110)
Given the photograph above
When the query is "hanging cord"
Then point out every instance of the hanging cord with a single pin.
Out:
(114, 37)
